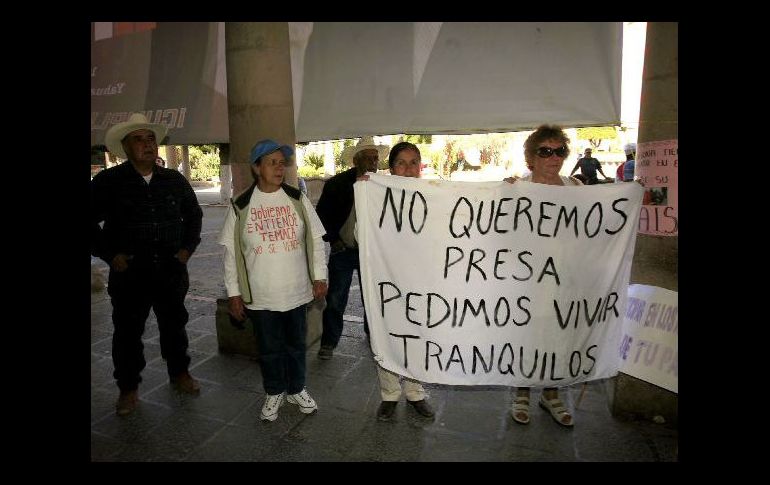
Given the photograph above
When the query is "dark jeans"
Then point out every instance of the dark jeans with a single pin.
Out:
(161, 286)
(341, 266)
(281, 344)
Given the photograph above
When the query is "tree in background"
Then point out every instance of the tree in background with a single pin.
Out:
(204, 162)
(338, 147)
(315, 160)
(448, 160)
(596, 134)
(314, 166)
(417, 139)
(490, 145)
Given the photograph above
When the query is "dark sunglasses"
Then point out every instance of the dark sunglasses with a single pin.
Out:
(545, 152)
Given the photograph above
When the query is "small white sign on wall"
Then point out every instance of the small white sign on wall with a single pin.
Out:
(649, 347)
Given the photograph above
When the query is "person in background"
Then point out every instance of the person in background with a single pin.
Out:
(302, 185)
(588, 166)
(336, 210)
(152, 226)
(544, 152)
(274, 265)
(630, 164)
(619, 173)
(405, 161)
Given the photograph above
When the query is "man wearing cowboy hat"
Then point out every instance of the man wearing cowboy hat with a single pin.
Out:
(152, 225)
(335, 208)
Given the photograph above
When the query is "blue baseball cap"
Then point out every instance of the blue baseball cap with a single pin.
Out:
(264, 147)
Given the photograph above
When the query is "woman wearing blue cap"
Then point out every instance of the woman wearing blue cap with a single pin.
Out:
(274, 266)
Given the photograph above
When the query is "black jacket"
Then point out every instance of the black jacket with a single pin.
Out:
(336, 202)
(140, 219)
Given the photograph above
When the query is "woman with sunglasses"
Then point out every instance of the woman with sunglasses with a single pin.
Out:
(544, 152)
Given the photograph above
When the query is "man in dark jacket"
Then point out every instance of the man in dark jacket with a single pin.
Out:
(335, 208)
(152, 225)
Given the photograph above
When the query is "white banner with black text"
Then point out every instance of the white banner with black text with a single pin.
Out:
(491, 283)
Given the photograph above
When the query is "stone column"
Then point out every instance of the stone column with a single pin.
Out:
(172, 157)
(225, 175)
(260, 105)
(259, 92)
(328, 159)
(185, 163)
(656, 257)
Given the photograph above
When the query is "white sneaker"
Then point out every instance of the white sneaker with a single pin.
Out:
(302, 399)
(270, 409)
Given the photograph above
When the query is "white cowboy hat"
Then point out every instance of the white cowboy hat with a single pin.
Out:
(365, 143)
(137, 121)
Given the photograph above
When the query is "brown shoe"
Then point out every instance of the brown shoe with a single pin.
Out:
(127, 402)
(185, 383)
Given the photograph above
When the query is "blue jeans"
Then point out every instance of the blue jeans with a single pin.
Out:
(281, 344)
(341, 266)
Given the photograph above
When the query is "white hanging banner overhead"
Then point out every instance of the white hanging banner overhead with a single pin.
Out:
(490, 283)
(359, 78)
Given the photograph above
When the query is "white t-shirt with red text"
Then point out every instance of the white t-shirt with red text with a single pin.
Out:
(272, 249)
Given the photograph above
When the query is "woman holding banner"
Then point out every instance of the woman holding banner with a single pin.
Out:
(404, 160)
(544, 152)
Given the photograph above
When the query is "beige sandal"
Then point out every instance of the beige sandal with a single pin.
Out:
(520, 406)
(558, 411)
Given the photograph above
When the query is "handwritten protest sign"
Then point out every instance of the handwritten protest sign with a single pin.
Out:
(494, 283)
(649, 347)
(657, 166)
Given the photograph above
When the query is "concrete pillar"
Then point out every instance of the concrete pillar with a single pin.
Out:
(328, 159)
(299, 154)
(172, 157)
(656, 257)
(260, 105)
(259, 93)
(184, 165)
(225, 175)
